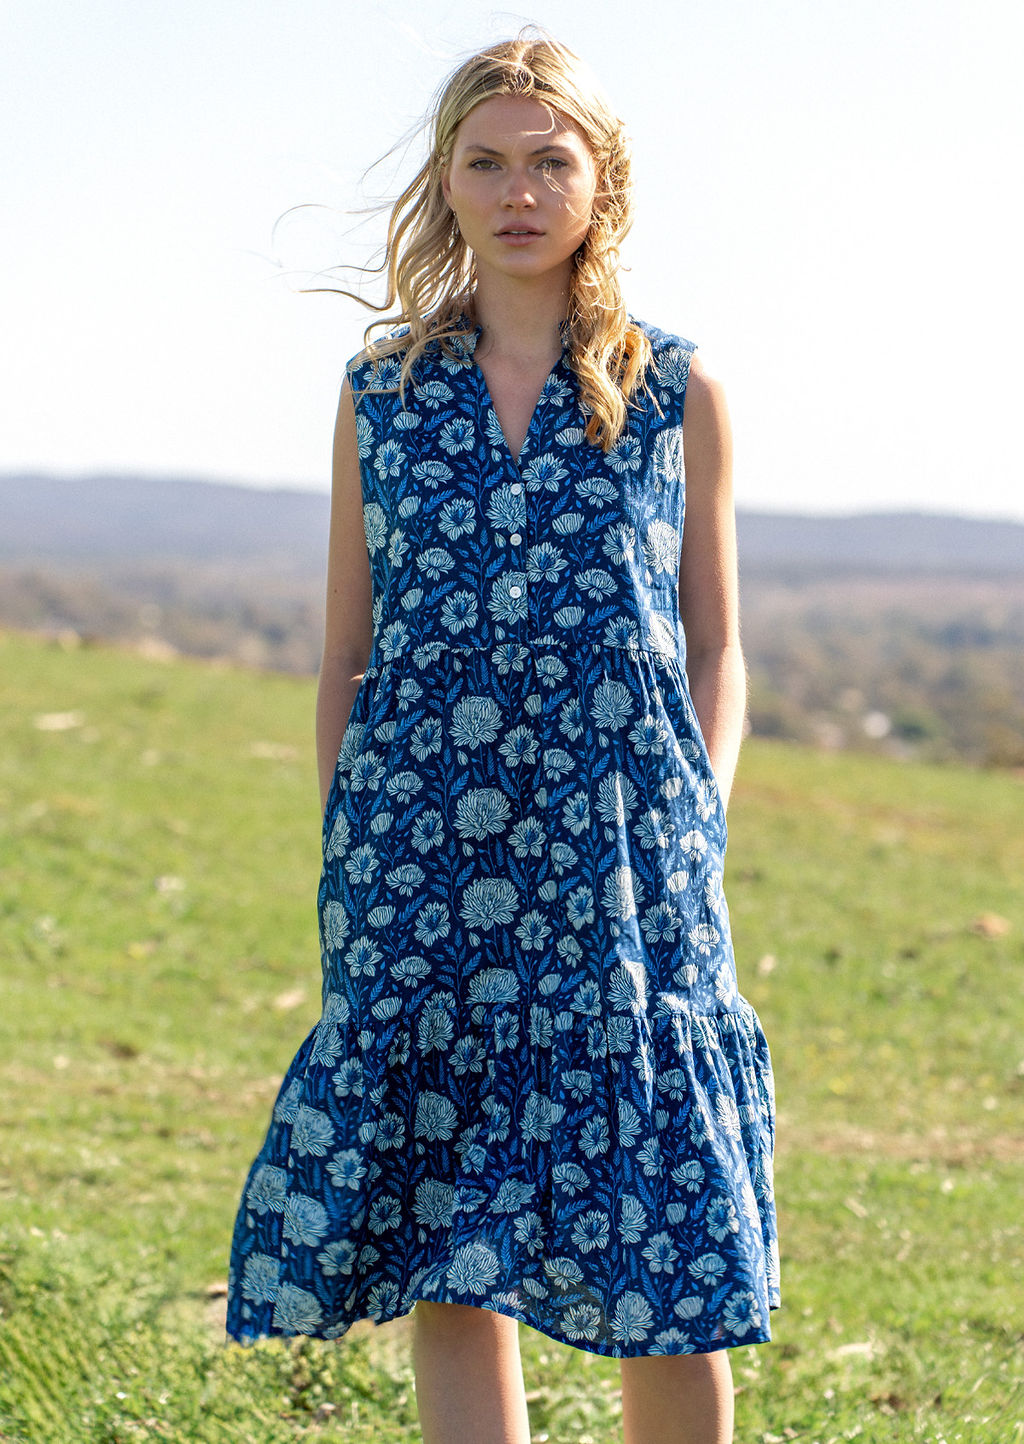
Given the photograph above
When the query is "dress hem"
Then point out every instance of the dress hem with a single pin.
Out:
(759, 1336)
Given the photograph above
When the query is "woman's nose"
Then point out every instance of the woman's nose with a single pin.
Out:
(518, 191)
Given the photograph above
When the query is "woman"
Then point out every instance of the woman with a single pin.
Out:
(535, 1093)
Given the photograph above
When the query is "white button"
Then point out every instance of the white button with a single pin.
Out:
(517, 487)
(515, 591)
(515, 538)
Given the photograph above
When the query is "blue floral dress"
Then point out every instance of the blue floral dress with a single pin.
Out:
(534, 1086)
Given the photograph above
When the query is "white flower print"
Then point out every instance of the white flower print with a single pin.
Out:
(539, 1116)
(337, 1258)
(305, 1219)
(348, 1079)
(595, 1137)
(312, 1132)
(488, 902)
(382, 1301)
(385, 1214)
(741, 1314)
(579, 908)
(529, 1231)
(260, 1278)
(375, 527)
(707, 799)
(388, 461)
(473, 1269)
(590, 1230)
(625, 455)
(709, 1266)
(435, 1116)
(545, 471)
(619, 897)
(296, 1310)
(703, 938)
(576, 813)
(433, 1203)
(513, 1194)
(661, 1254)
(563, 1272)
(533, 931)
(457, 436)
(347, 1169)
(661, 548)
(632, 1219)
(481, 813)
(648, 735)
(519, 747)
(475, 722)
(336, 925)
(721, 1219)
(527, 838)
(434, 394)
(267, 1189)
(459, 612)
(632, 1318)
(506, 600)
(494, 985)
(617, 798)
(436, 1028)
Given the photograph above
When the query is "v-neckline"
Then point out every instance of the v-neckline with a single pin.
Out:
(516, 457)
(469, 351)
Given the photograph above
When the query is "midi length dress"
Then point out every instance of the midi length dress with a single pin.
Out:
(534, 1086)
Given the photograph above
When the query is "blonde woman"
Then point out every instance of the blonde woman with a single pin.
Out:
(535, 1094)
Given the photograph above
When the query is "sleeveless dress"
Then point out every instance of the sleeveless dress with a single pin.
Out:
(534, 1086)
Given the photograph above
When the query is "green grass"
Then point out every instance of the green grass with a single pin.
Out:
(158, 864)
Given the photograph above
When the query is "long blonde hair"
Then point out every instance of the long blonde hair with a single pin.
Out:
(430, 270)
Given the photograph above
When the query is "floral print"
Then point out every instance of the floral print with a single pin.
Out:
(534, 1086)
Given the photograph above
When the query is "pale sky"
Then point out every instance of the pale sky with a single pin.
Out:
(828, 204)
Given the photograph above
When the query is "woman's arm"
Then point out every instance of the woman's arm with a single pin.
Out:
(348, 633)
(708, 580)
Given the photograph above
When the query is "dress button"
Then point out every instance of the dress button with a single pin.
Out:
(515, 538)
(517, 487)
(515, 591)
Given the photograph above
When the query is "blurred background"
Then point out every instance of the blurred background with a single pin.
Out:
(825, 205)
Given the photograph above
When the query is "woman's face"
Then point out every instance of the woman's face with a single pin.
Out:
(521, 182)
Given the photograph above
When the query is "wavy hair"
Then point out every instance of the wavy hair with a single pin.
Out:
(430, 271)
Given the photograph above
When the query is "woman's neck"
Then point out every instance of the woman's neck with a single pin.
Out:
(523, 322)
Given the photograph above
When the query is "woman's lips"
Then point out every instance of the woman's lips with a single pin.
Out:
(516, 235)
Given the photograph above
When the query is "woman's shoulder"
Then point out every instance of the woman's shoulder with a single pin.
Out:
(671, 355)
(662, 341)
(445, 348)
(377, 358)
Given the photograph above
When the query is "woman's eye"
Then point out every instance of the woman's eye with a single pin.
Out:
(481, 164)
(552, 162)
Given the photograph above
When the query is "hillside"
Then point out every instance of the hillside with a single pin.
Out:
(159, 839)
(893, 632)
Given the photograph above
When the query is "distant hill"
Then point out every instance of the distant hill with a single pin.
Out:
(130, 519)
(894, 632)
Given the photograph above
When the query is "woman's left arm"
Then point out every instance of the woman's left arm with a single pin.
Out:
(708, 577)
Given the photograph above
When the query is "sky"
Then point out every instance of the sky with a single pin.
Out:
(828, 203)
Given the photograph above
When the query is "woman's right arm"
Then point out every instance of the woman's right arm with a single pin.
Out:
(348, 633)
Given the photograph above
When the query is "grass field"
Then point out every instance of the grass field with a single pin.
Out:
(158, 861)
